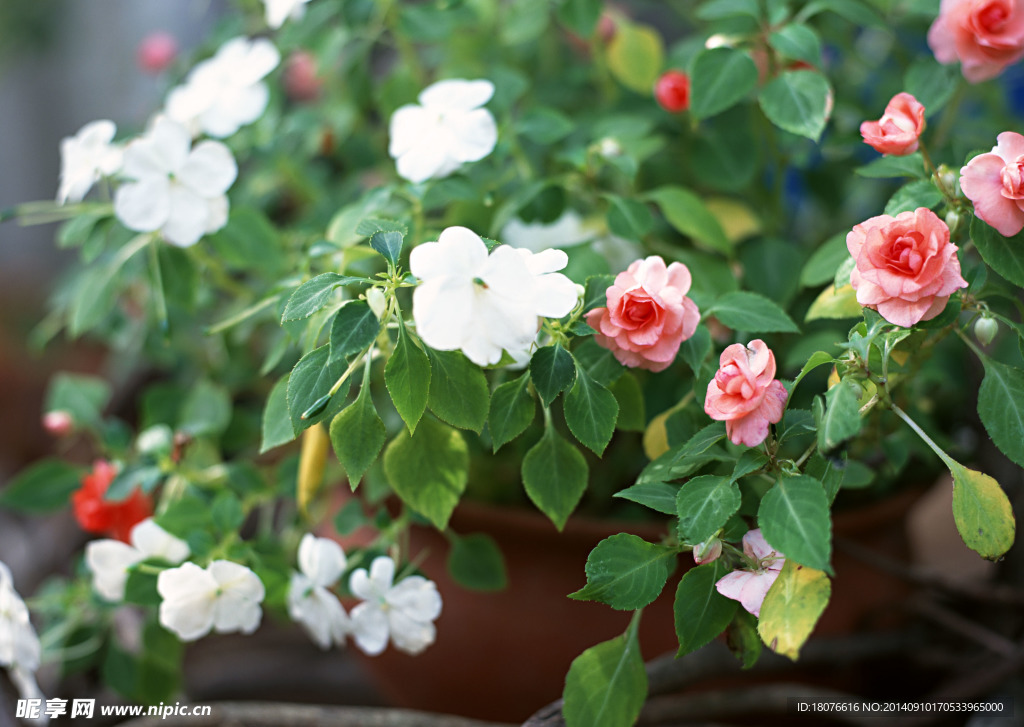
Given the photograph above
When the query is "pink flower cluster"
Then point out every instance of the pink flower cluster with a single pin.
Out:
(745, 394)
(994, 182)
(906, 266)
(984, 35)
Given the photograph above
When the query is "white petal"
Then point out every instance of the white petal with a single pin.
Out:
(236, 579)
(417, 597)
(318, 611)
(476, 134)
(97, 133)
(109, 561)
(457, 93)
(232, 612)
(442, 309)
(423, 162)
(161, 151)
(235, 107)
(546, 261)
(554, 295)
(369, 628)
(189, 594)
(262, 58)
(152, 541)
(143, 206)
(406, 128)
(216, 213)
(187, 218)
(458, 252)
(410, 635)
(209, 170)
(321, 559)
(373, 586)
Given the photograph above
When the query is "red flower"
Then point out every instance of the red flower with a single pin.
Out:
(97, 515)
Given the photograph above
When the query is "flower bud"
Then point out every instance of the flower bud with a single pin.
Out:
(707, 551)
(58, 423)
(985, 330)
(609, 147)
(156, 52)
(580, 291)
(301, 82)
(378, 303)
(948, 178)
(158, 439)
(952, 220)
(606, 27)
(672, 91)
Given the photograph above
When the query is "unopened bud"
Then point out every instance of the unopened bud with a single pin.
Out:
(985, 330)
(948, 178)
(606, 27)
(609, 147)
(156, 52)
(158, 439)
(378, 303)
(301, 81)
(720, 40)
(707, 551)
(58, 423)
(952, 220)
(580, 291)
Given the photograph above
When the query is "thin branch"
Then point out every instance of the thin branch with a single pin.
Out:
(278, 714)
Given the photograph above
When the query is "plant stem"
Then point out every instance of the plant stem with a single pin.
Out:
(920, 432)
(243, 315)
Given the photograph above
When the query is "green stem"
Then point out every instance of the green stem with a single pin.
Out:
(159, 297)
(348, 372)
(920, 432)
(243, 315)
(949, 115)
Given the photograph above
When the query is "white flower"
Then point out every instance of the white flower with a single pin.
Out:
(321, 562)
(566, 231)
(403, 612)
(19, 646)
(278, 11)
(448, 128)
(226, 91)
(109, 560)
(224, 597)
(481, 303)
(85, 157)
(176, 189)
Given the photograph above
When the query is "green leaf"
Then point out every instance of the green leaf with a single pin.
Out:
(407, 377)
(314, 294)
(206, 411)
(834, 303)
(792, 607)
(626, 572)
(743, 640)
(43, 487)
(701, 612)
(351, 517)
(630, 398)
(635, 56)
(1005, 255)
(277, 423)
(703, 505)
(656, 495)
(309, 382)
(772, 268)
(599, 362)
(227, 512)
(357, 435)
(687, 213)
(475, 562)
(249, 240)
(144, 477)
(982, 512)
(628, 218)
(718, 9)
(931, 83)
(853, 10)
(794, 518)
(684, 458)
(696, 348)
(606, 685)
(458, 390)
(555, 476)
(354, 328)
(1001, 407)
(821, 265)
(83, 397)
(428, 470)
(523, 22)
(591, 412)
(752, 313)
(719, 79)
(552, 370)
(919, 193)
(818, 358)
(798, 42)
(799, 102)
(372, 225)
(596, 295)
(751, 460)
(512, 409)
(544, 125)
(888, 166)
(388, 244)
(841, 419)
(580, 15)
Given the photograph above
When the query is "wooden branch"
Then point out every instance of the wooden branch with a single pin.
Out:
(952, 621)
(280, 714)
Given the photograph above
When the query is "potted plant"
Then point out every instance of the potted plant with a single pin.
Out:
(717, 268)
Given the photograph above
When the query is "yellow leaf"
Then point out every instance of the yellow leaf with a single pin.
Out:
(655, 438)
(736, 218)
(312, 460)
(792, 607)
(635, 56)
(833, 377)
(982, 512)
(833, 303)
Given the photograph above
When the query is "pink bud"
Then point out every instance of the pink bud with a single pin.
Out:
(58, 423)
(707, 551)
(606, 27)
(156, 52)
(301, 82)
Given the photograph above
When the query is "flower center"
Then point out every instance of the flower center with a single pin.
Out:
(1013, 179)
(992, 17)
(904, 256)
(732, 381)
(640, 308)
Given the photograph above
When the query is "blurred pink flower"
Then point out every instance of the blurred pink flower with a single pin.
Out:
(749, 587)
(156, 52)
(984, 35)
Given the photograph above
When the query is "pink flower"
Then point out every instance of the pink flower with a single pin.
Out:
(744, 393)
(906, 266)
(897, 131)
(994, 182)
(984, 35)
(648, 314)
(749, 587)
(157, 51)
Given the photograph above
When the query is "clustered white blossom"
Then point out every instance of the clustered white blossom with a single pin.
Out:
(448, 127)
(19, 646)
(109, 560)
(225, 92)
(223, 597)
(85, 158)
(175, 188)
(402, 613)
(278, 11)
(483, 303)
